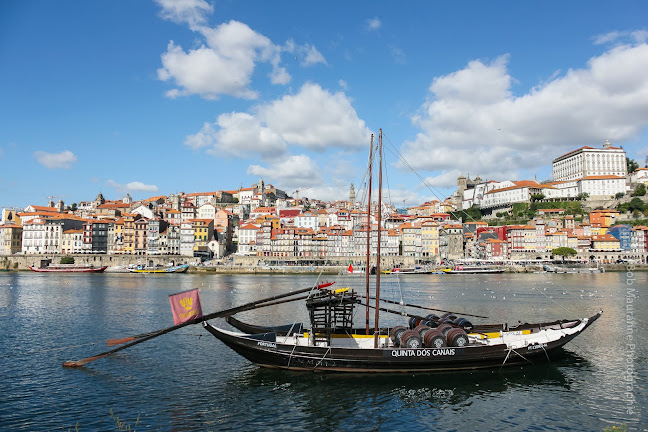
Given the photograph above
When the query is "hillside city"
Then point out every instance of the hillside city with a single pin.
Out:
(595, 205)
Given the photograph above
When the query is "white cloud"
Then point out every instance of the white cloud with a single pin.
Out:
(225, 62)
(373, 24)
(306, 54)
(64, 159)
(313, 118)
(447, 179)
(398, 54)
(473, 123)
(224, 65)
(316, 119)
(191, 12)
(134, 187)
(313, 56)
(637, 36)
(294, 172)
(238, 134)
(343, 85)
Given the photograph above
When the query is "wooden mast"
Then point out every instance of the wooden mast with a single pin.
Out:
(376, 316)
(368, 233)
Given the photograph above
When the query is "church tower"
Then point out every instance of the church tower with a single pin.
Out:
(352, 195)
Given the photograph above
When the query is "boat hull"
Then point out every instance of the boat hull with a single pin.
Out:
(265, 350)
(178, 269)
(69, 270)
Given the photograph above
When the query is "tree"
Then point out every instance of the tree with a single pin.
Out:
(537, 197)
(636, 204)
(639, 190)
(564, 252)
(73, 206)
(582, 196)
(632, 165)
(619, 195)
(67, 259)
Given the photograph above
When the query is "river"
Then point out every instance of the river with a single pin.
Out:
(188, 380)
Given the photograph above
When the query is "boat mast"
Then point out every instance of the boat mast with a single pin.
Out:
(376, 316)
(368, 233)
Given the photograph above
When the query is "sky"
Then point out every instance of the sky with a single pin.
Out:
(158, 97)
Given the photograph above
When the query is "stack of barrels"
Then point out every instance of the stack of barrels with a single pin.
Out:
(432, 331)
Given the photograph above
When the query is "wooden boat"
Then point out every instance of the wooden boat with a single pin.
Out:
(340, 352)
(160, 270)
(68, 268)
(430, 344)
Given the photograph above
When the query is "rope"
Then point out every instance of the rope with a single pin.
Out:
(323, 357)
(291, 353)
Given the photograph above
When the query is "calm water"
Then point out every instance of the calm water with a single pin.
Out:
(188, 380)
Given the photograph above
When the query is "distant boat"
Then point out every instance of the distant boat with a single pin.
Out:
(472, 270)
(414, 270)
(550, 269)
(68, 268)
(175, 269)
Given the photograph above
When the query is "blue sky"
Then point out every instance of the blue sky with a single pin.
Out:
(157, 97)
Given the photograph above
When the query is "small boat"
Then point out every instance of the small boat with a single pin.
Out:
(68, 268)
(472, 270)
(413, 270)
(158, 270)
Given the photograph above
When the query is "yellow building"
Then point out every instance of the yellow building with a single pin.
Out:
(203, 232)
(10, 239)
(128, 247)
(605, 242)
(430, 239)
(118, 245)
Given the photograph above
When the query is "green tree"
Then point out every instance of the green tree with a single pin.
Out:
(564, 252)
(471, 214)
(636, 204)
(67, 259)
(582, 196)
(639, 190)
(632, 165)
(537, 197)
(619, 195)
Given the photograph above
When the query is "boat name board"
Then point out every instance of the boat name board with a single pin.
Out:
(424, 352)
(267, 344)
(537, 346)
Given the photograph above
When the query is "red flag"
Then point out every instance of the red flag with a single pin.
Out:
(185, 306)
(350, 269)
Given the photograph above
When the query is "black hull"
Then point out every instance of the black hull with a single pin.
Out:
(263, 350)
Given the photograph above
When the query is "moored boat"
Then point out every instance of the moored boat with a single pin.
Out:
(473, 270)
(329, 346)
(160, 270)
(68, 268)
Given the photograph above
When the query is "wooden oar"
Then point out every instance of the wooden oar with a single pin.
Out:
(231, 311)
(427, 308)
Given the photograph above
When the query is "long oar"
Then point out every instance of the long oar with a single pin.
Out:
(426, 308)
(232, 311)
(147, 336)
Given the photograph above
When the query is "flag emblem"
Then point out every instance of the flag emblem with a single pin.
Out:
(185, 306)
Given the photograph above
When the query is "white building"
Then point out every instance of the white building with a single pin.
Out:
(640, 175)
(588, 161)
(307, 220)
(247, 234)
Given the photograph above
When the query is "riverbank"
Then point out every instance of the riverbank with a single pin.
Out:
(254, 265)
